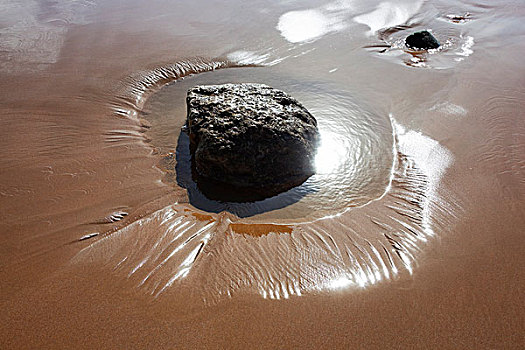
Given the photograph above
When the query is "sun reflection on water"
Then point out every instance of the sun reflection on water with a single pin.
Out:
(340, 283)
(331, 153)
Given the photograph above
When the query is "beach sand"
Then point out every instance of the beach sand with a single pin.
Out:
(101, 247)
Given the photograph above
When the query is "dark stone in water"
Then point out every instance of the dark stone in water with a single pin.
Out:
(248, 141)
(422, 40)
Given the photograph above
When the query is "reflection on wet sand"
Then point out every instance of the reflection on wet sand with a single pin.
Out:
(359, 246)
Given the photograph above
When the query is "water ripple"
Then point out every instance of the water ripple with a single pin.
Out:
(217, 255)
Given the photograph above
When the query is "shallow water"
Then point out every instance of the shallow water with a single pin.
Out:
(415, 146)
(354, 160)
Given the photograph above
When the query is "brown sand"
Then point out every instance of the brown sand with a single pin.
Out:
(69, 163)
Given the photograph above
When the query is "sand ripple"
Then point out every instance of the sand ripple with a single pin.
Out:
(219, 254)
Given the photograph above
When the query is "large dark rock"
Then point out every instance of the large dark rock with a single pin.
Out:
(249, 140)
(422, 40)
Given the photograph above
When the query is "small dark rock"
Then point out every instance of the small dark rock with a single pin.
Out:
(250, 139)
(422, 40)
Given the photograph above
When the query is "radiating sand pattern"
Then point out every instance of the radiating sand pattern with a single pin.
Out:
(219, 255)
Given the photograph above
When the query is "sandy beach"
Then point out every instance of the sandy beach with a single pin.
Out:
(409, 236)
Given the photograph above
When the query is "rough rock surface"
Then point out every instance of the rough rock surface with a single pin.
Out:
(422, 40)
(250, 137)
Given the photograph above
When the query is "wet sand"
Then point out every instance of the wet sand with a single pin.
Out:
(101, 248)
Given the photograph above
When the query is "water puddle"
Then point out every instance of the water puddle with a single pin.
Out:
(392, 23)
(359, 248)
(353, 161)
(362, 219)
